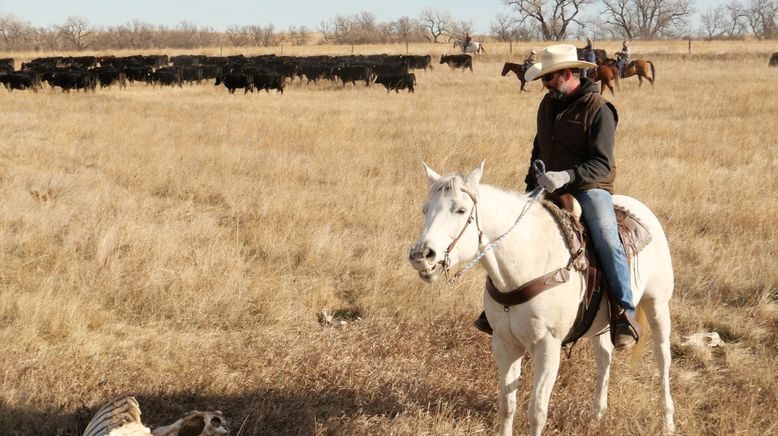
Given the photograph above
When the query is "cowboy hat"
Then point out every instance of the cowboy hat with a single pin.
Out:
(554, 58)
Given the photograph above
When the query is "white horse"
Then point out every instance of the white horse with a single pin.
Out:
(462, 216)
(473, 47)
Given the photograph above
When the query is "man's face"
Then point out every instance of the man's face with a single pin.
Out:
(556, 84)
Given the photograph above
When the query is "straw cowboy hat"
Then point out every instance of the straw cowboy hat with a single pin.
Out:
(555, 58)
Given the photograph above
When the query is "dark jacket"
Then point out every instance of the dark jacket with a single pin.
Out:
(577, 135)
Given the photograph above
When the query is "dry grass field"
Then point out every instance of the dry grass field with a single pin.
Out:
(178, 244)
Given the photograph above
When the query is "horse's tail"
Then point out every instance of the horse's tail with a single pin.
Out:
(653, 71)
(637, 350)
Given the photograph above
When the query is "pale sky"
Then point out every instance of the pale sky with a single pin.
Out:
(281, 13)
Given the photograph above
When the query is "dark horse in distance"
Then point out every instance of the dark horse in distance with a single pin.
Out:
(519, 70)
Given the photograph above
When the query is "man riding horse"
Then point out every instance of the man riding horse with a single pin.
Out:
(466, 42)
(580, 159)
(622, 58)
(530, 60)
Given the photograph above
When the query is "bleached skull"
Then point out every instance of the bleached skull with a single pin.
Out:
(196, 423)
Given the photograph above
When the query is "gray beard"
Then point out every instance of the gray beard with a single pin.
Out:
(556, 95)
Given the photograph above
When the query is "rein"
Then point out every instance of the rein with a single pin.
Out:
(540, 168)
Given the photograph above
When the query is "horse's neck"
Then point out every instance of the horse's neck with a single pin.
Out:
(533, 248)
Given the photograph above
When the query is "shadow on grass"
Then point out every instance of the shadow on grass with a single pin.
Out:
(266, 412)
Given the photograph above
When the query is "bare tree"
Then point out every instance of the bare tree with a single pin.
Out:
(735, 21)
(75, 31)
(648, 19)
(553, 16)
(298, 35)
(460, 28)
(140, 34)
(263, 35)
(503, 28)
(713, 22)
(405, 28)
(346, 30)
(13, 31)
(435, 23)
(326, 30)
(238, 36)
(761, 18)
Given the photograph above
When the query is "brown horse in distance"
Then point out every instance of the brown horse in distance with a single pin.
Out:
(605, 74)
(519, 70)
(638, 67)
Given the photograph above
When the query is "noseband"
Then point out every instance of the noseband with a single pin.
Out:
(446, 262)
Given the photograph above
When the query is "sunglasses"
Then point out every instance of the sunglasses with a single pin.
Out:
(549, 76)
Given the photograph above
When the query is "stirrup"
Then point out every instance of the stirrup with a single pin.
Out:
(482, 324)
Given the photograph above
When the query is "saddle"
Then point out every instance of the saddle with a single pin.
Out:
(634, 237)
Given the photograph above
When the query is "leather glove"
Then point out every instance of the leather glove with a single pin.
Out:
(553, 180)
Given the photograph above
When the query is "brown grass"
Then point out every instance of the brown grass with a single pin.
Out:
(178, 244)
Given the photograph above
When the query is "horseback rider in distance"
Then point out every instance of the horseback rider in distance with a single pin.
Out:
(466, 42)
(623, 58)
(530, 60)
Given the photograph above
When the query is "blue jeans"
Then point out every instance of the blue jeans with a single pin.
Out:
(600, 219)
(620, 66)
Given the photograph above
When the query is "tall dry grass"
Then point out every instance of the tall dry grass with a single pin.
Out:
(178, 244)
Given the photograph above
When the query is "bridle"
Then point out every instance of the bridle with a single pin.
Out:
(540, 168)
(446, 262)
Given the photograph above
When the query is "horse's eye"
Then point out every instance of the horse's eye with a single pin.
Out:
(461, 211)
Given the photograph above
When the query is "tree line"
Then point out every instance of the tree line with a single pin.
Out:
(548, 20)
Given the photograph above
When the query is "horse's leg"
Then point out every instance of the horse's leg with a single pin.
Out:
(658, 313)
(508, 358)
(603, 350)
(545, 357)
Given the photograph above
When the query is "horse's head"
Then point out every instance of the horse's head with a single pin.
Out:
(450, 232)
(506, 69)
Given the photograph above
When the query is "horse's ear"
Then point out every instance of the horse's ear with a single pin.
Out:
(432, 176)
(475, 176)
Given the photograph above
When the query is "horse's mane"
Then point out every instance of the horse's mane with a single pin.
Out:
(455, 182)
(452, 182)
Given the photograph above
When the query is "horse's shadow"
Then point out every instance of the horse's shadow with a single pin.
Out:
(264, 412)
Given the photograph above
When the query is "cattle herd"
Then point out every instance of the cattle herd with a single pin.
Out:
(249, 73)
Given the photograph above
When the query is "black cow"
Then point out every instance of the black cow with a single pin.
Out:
(268, 81)
(20, 80)
(193, 74)
(68, 80)
(352, 73)
(390, 68)
(138, 73)
(773, 60)
(167, 76)
(419, 62)
(397, 82)
(234, 81)
(210, 71)
(458, 61)
(185, 61)
(107, 76)
(84, 61)
(6, 66)
(315, 71)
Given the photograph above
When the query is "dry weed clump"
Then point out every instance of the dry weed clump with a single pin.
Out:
(178, 244)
